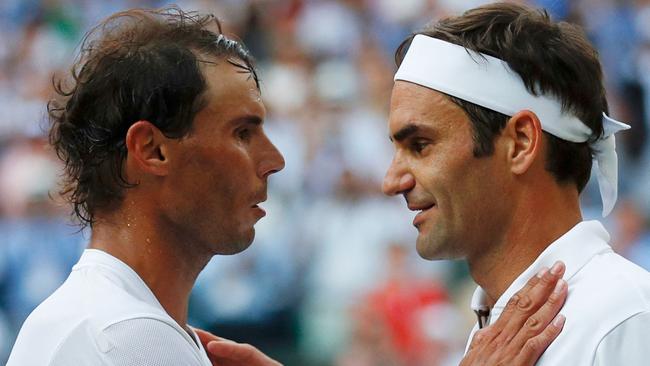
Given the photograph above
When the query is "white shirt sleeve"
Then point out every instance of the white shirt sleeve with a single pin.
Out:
(627, 344)
(133, 342)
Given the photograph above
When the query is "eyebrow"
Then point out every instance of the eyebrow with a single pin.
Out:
(249, 120)
(405, 132)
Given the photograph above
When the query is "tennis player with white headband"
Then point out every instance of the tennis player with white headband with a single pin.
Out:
(490, 83)
(497, 117)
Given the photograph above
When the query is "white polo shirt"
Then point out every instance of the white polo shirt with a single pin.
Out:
(104, 314)
(608, 306)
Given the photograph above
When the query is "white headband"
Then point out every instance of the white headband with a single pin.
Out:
(489, 82)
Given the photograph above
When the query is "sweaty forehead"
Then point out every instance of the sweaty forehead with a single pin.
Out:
(223, 77)
(231, 88)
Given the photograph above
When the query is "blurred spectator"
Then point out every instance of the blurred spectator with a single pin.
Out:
(322, 283)
(38, 246)
(631, 237)
(401, 304)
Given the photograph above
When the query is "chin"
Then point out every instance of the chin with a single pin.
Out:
(242, 243)
(425, 252)
(432, 251)
(236, 245)
(234, 248)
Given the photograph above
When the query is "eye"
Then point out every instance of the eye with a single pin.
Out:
(418, 145)
(243, 134)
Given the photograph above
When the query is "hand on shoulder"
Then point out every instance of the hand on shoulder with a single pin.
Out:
(527, 326)
(224, 352)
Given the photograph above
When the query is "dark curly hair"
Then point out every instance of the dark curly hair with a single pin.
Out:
(138, 64)
(551, 57)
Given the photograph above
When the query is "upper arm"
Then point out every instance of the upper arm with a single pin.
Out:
(627, 344)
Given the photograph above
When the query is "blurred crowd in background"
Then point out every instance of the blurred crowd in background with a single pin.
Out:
(333, 277)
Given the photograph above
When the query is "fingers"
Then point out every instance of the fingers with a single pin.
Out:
(206, 337)
(527, 326)
(534, 347)
(521, 310)
(230, 350)
(225, 352)
(483, 338)
(239, 354)
(478, 340)
(544, 326)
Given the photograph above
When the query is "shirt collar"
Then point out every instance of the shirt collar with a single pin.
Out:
(132, 282)
(575, 248)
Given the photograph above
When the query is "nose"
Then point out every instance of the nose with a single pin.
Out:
(397, 180)
(272, 161)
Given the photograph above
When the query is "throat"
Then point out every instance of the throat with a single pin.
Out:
(495, 273)
(496, 269)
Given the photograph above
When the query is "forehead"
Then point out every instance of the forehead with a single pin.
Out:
(415, 104)
(231, 90)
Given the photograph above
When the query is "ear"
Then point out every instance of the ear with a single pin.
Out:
(525, 140)
(147, 148)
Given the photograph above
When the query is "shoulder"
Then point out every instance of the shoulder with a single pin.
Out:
(626, 344)
(614, 284)
(91, 299)
(74, 316)
(604, 294)
(133, 341)
(608, 290)
(53, 343)
(148, 341)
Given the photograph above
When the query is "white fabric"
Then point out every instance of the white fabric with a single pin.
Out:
(104, 314)
(624, 346)
(608, 307)
(489, 82)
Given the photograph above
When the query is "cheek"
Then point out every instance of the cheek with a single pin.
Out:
(208, 175)
(457, 184)
(224, 177)
(478, 199)
(441, 177)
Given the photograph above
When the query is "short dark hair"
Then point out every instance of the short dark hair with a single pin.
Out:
(551, 57)
(139, 64)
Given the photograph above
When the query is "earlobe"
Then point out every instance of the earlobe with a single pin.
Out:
(525, 131)
(146, 148)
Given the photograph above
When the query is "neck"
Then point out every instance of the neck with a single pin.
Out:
(159, 257)
(536, 222)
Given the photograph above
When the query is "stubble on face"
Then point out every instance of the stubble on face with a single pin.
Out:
(216, 182)
(465, 189)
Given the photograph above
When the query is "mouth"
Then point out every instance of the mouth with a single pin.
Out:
(259, 211)
(256, 206)
(422, 210)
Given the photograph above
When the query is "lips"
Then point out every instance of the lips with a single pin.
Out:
(256, 208)
(424, 209)
(259, 211)
(420, 207)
